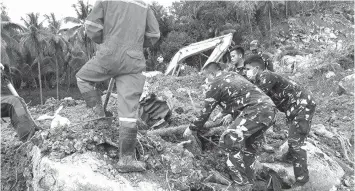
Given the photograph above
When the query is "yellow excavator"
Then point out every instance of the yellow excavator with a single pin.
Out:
(219, 44)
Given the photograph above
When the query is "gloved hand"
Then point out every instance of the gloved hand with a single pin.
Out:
(237, 136)
(219, 115)
(227, 119)
(196, 145)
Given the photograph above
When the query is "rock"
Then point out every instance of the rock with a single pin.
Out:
(320, 129)
(86, 171)
(324, 68)
(346, 85)
(346, 63)
(295, 63)
(329, 74)
(151, 74)
(325, 173)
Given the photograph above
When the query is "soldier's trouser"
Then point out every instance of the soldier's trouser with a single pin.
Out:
(13, 107)
(242, 149)
(299, 123)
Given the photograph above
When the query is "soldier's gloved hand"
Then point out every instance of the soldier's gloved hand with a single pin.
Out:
(192, 136)
(227, 119)
(187, 133)
(219, 115)
(237, 135)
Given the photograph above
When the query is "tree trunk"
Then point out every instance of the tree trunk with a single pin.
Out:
(270, 24)
(57, 77)
(251, 26)
(286, 8)
(69, 77)
(40, 81)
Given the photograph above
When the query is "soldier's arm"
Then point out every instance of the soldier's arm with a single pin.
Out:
(152, 32)
(269, 64)
(266, 82)
(211, 101)
(94, 23)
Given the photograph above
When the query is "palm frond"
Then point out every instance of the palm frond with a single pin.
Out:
(6, 25)
(72, 20)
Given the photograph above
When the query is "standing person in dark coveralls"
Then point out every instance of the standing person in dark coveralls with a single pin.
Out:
(14, 107)
(266, 58)
(298, 105)
(122, 28)
(241, 140)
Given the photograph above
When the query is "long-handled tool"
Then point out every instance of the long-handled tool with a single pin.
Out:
(109, 91)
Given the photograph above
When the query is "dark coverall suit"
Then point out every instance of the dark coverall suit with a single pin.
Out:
(236, 95)
(122, 28)
(14, 107)
(299, 107)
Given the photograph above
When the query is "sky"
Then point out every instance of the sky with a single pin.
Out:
(61, 8)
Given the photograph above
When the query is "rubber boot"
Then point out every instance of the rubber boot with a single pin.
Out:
(94, 102)
(24, 127)
(127, 144)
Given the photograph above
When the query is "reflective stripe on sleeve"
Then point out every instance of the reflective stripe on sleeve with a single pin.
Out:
(148, 34)
(123, 119)
(87, 22)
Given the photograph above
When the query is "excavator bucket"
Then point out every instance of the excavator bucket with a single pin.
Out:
(219, 44)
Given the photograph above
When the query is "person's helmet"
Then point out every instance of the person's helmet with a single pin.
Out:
(254, 44)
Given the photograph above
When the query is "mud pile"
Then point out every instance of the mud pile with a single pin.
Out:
(82, 155)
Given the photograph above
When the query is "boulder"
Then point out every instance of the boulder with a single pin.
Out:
(295, 63)
(346, 85)
(325, 173)
(324, 68)
(329, 74)
(320, 129)
(87, 171)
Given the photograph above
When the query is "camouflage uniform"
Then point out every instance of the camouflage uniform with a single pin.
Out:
(267, 61)
(235, 95)
(238, 70)
(299, 107)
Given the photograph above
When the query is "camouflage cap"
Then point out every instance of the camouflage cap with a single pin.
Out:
(254, 44)
(217, 64)
(255, 60)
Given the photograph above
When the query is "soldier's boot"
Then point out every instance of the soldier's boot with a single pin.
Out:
(237, 169)
(24, 126)
(94, 103)
(127, 144)
(300, 166)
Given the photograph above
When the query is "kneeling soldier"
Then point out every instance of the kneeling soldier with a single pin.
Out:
(236, 95)
(295, 102)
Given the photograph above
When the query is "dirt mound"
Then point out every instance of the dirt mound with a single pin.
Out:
(170, 165)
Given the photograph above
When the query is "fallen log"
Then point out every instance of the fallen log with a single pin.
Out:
(215, 128)
(167, 131)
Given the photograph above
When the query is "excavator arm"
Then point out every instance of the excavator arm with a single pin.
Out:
(220, 45)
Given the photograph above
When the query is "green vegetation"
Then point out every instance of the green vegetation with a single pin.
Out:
(49, 56)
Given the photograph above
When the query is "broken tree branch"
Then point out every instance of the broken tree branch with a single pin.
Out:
(215, 128)
(343, 145)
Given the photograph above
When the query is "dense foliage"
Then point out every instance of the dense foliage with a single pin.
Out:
(51, 55)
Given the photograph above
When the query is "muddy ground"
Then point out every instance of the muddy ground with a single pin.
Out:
(333, 111)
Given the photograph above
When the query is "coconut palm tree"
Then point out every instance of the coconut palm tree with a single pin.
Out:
(57, 45)
(10, 53)
(33, 39)
(267, 7)
(77, 32)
